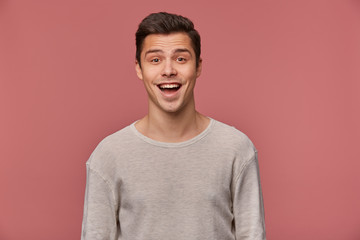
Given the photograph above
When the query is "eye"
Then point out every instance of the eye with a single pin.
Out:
(155, 60)
(181, 59)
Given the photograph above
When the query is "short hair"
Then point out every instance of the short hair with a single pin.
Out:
(166, 23)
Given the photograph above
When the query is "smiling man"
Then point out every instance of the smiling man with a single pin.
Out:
(175, 173)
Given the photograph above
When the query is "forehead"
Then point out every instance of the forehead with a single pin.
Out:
(167, 42)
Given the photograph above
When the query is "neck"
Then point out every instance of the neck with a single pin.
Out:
(172, 127)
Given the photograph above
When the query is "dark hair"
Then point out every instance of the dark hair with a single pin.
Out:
(165, 23)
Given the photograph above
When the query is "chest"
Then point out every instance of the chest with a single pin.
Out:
(171, 179)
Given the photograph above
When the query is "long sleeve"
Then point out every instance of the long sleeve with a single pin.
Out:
(248, 206)
(99, 219)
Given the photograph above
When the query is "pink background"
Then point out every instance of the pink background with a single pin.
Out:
(287, 73)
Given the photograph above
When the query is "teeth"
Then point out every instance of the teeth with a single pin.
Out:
(169, 86)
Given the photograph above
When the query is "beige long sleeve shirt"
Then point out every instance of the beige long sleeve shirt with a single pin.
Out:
(206, 188)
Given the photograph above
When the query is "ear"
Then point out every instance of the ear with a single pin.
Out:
(199, 68)
(138, 70)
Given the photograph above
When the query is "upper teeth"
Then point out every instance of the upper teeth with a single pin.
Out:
(169, 86)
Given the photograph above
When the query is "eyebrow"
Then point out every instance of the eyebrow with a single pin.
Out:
(178, 50)
(153, 51)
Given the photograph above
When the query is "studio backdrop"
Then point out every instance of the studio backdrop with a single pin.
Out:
(286, 73)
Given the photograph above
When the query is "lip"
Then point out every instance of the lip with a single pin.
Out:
(172, 82)
(169, 95)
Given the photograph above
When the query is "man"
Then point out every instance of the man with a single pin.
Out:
(174, 174)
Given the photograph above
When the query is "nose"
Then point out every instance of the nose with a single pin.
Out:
(168, 70)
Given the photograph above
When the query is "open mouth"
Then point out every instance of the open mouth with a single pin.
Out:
(169, 87)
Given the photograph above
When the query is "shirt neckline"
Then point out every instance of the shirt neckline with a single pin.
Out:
(176, 144)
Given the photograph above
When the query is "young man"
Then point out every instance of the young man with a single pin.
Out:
(174, 174)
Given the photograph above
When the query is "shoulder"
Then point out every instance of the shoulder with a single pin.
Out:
(233, 139)
(109, 148)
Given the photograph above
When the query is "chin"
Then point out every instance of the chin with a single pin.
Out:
(171, 109)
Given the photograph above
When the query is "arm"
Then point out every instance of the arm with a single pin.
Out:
(100, 214)
(248, 206)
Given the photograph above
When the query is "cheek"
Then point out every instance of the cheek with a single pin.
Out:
(149, 74)
(193, 76)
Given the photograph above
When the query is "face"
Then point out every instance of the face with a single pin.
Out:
(168, 71)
